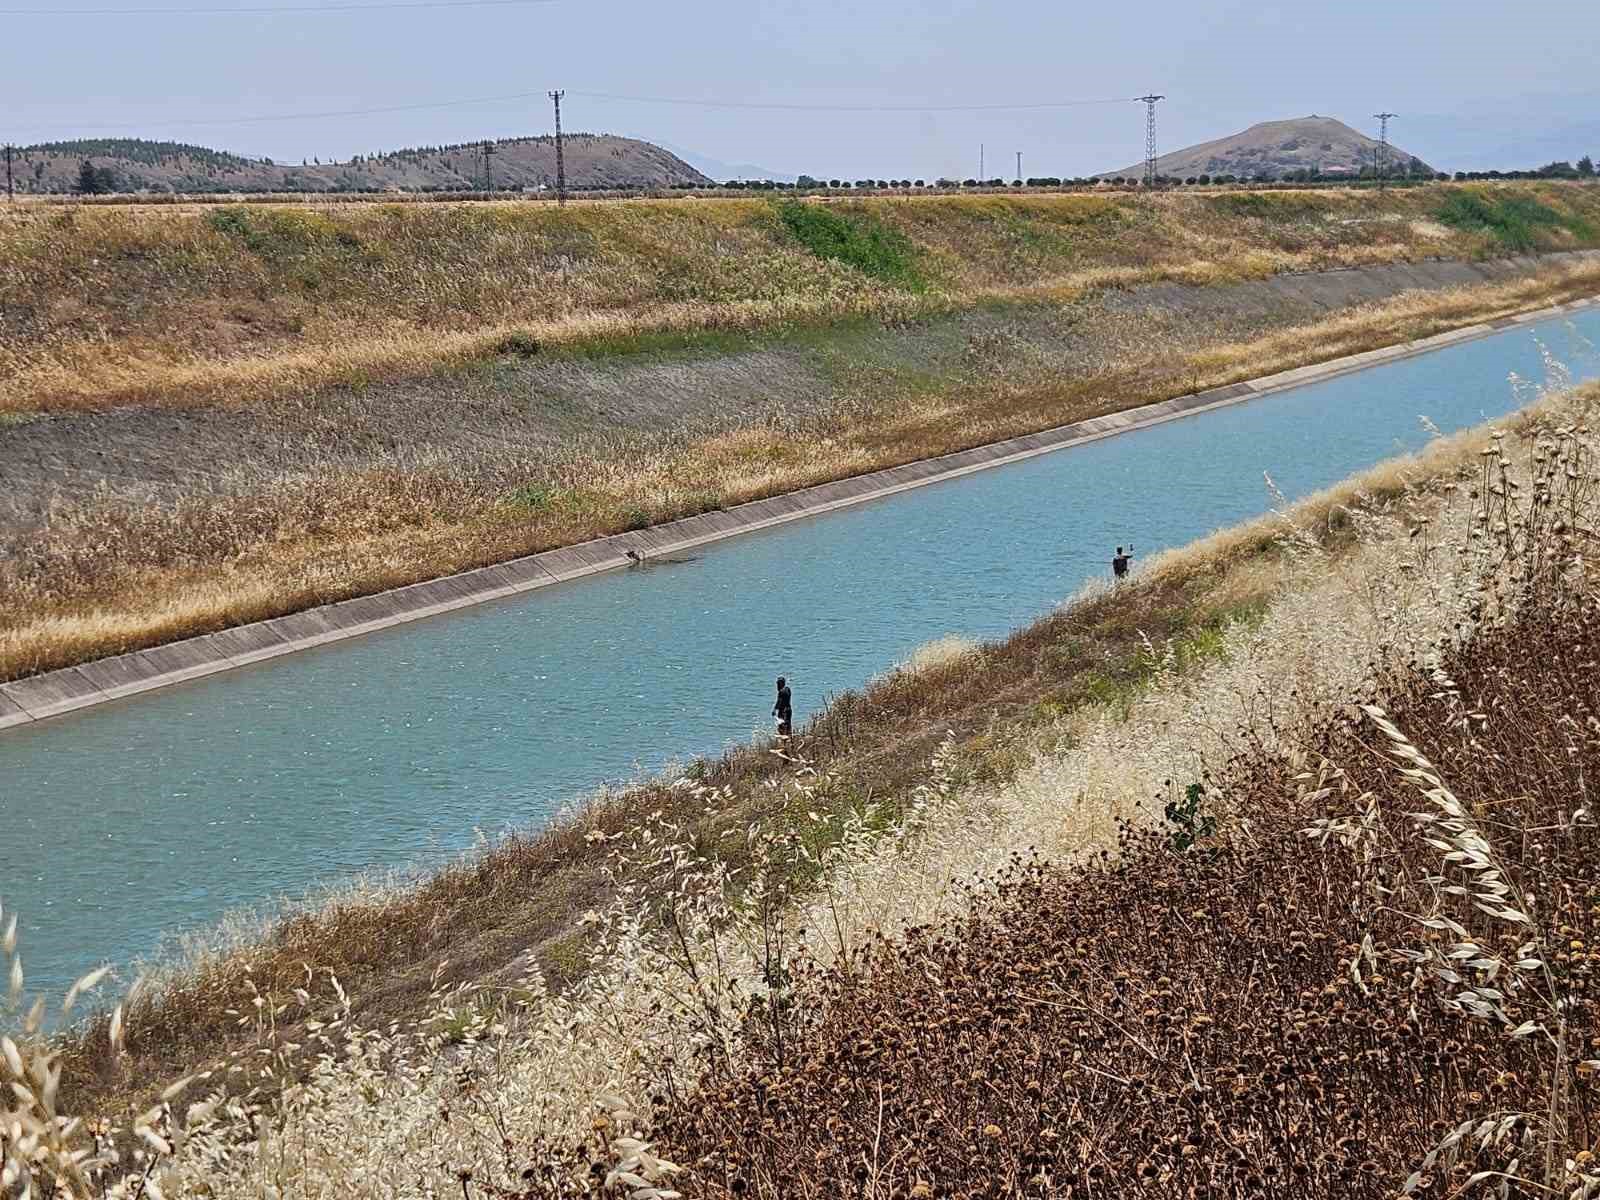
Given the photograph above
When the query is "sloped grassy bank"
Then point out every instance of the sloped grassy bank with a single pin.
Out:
(141, 526)
(1057, 737)
(158, 306)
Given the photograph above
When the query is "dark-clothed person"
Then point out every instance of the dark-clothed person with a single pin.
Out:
(784, 709)
(1119, 564)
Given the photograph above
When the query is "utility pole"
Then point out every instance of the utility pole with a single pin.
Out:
(1150, 102)
(1019, 165)
(488, 170)
(980, 164)
(11, 187)
(561, 162)
(1383, 147)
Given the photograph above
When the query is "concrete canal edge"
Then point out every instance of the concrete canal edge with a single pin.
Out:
(59, 692)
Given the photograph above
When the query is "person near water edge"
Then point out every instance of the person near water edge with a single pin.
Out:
(1119, 564)
(784, 709)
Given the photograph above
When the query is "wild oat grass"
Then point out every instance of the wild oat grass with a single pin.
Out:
(713, 990)
(106, 576)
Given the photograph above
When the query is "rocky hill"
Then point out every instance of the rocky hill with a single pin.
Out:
(1275, 149)
(129, 165)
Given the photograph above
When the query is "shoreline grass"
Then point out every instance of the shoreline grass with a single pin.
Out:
(695, 976)
(121, 580)
(987, 713)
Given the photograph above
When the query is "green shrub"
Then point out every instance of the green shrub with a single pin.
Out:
(534, 497)
(1191, 825)
(1515, 222)
(854, 239)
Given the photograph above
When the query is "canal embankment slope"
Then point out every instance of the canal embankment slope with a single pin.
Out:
(224, 416)
(71, 689)
(1051, 739)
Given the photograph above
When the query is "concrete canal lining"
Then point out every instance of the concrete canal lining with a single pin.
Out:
(59, 692)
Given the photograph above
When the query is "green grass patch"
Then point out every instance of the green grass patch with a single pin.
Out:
(1514, 222)
(1269, 206)
(855, 239)
(276, 232)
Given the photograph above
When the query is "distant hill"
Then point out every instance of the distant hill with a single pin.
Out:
(131, 165)
(722, 171)
(1274, 149)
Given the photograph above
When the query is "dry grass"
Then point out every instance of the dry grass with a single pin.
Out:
(112, 306)
(1072, 754)
(1232, 1018)
(104, 577)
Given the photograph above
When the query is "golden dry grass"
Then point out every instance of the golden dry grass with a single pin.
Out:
(182, 306)
(124, 579)
(414, 1107)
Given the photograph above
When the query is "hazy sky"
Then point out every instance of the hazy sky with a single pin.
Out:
(1460, 72)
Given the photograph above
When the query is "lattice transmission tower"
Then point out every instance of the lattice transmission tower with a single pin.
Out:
(561, 162)
(1382, 165)
(1150, 102)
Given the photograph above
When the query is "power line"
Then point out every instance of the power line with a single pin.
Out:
(314, 116)
(513, 96)
(259, 9)
(886, 108)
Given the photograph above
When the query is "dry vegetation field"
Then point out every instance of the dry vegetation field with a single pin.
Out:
(1272, 872)
(222, 415)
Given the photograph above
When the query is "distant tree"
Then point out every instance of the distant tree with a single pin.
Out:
(88, 179)
(105, 181)
(969, 183)
(833, 183)
(1416, 169)
(806, 181)
(1586, 167)
(1203, 179)
(920, 183)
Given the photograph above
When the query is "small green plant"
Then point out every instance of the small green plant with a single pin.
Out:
(533, 497)
(1190, 823)
(856, 240)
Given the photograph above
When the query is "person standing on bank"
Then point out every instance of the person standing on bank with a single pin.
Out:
(784, 709)
(1119, 564)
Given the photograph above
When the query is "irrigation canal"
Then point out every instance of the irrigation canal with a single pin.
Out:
(130, 824)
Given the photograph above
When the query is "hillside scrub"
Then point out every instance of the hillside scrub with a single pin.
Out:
(110, 306)
(284, 506)
(708, 951)
(1513, 222)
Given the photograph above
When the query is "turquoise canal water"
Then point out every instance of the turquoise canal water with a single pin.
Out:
(133, 822)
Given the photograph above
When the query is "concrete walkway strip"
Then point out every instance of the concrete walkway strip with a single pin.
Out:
(40, 697)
